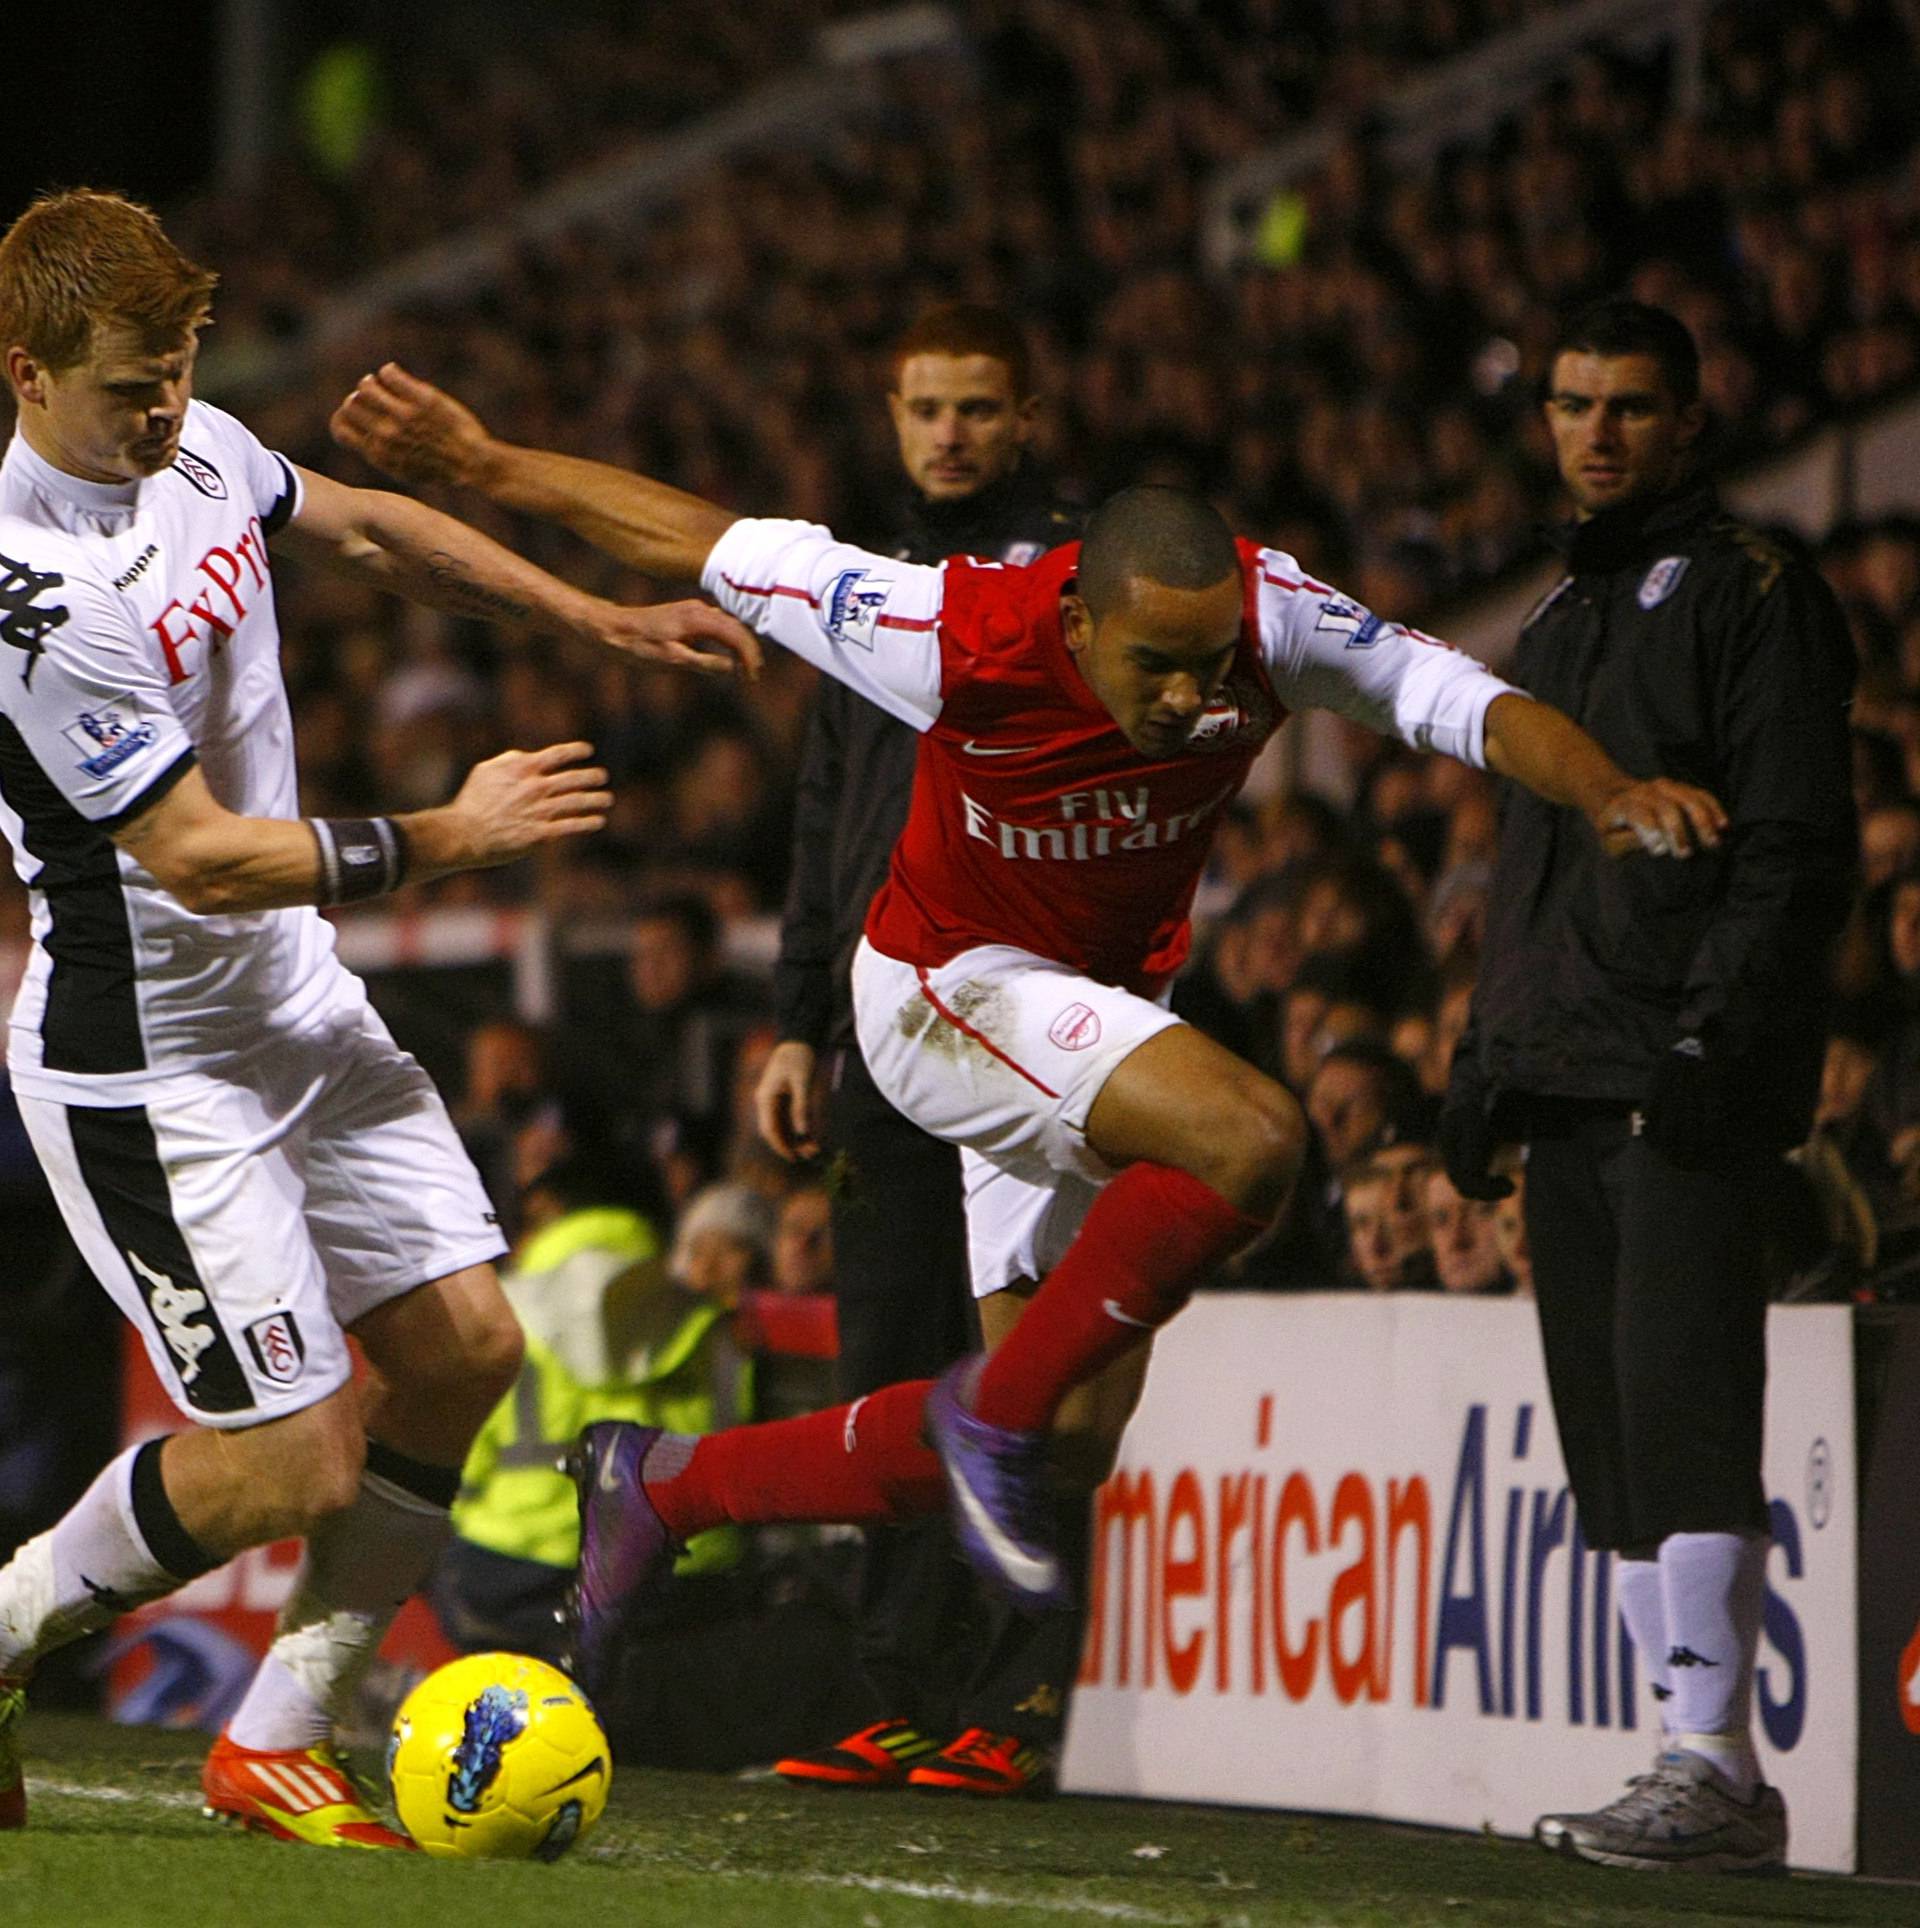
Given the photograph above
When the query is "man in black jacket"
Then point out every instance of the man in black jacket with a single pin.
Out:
(1653, 1033)
(963, 409)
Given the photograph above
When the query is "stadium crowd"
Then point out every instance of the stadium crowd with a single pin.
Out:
(1360, 392)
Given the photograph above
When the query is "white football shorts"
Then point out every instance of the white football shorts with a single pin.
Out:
(244, 1219)
(1003, 1053)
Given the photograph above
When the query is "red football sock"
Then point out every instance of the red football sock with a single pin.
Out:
(1151, 1237)
(859, 1463)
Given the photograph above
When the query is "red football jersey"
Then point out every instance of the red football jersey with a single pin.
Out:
(1034, 822)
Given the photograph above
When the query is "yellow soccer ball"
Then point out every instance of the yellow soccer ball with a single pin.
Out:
(498, 1757)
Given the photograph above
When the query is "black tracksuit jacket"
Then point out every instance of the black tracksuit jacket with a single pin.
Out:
(1692, 647)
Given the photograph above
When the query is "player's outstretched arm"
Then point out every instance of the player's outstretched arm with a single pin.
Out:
(1556, 759)
(218, 863)
(419, 434)
(431, 558)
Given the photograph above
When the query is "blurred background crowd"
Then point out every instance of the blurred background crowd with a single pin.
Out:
(1355, 381)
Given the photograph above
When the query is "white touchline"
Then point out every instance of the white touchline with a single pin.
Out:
(79, 1791)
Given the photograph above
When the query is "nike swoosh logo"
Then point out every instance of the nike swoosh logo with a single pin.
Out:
(609, 1475)
(1113, 1311)
(1030, 1575)
(980, 749)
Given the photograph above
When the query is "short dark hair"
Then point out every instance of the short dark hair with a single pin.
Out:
(1403, 1105)
(1618, 326)
(1161, 534)
(968, 328)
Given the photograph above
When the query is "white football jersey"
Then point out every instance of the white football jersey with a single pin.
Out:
(138, 639)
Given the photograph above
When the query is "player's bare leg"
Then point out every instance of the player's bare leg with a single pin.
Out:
(160, 1515)
(1211, 1148)
(441, 1358)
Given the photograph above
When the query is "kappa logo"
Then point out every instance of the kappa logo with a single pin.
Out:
(277, 1348)
(173, 1307)
(202, 474)
(26, 622)
(1686, 1657)
(1075, 1028)
(853, 612)
(1661, 581)
(1909, 1684)
(108, 737)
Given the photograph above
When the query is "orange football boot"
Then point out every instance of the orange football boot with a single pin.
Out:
(293, 1794)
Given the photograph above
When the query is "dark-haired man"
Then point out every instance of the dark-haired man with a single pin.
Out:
(1653, 1033)
(1083, 721)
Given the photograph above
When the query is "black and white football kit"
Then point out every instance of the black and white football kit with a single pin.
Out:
(245, 1158)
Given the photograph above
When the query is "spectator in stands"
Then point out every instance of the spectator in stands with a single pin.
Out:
(664, 1041)
(723, 1245)
(1462, 1237)
(1386, 1233)
(803, 1242)
(1362, 1097)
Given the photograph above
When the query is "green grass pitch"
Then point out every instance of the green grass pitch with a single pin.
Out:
(117, 1841)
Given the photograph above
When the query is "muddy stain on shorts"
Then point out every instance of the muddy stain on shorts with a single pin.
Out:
(975, 1005)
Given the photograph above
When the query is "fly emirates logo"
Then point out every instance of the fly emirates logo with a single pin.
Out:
(1092, 823)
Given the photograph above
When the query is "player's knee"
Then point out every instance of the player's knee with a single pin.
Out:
(1261, 1141)
(493, 1356)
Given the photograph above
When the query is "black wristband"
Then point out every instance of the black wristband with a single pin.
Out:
(359, 857)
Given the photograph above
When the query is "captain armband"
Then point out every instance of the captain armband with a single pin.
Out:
(359, 857)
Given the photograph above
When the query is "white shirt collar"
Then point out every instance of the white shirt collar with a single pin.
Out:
(97, 498)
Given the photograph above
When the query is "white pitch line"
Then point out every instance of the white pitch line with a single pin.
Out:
(866, 1883)
(949, 1891)
(987, 1898)
(82, 1791)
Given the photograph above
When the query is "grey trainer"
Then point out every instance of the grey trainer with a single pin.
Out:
(1679, 1815)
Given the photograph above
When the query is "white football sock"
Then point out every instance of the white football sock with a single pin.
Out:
(1636, 1585)
(360, 1567)
(86, 1570)
(1714, 1587)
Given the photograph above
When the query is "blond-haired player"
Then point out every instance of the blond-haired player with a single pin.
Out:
(247, 1161)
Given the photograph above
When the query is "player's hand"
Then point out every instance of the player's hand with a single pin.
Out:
(1661, 817)
(513, 803)
(689, 635)
(410, 430)
(783, 1103)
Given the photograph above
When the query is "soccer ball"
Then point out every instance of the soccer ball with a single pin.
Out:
(498, 1757)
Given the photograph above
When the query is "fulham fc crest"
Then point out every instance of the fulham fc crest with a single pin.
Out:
(277, 1347)
(1661, 581)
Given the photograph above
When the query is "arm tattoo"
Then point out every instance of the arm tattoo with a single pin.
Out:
(454, 589)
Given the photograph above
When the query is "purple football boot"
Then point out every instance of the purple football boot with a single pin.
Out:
(625, 1548)
(1000, 1495)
